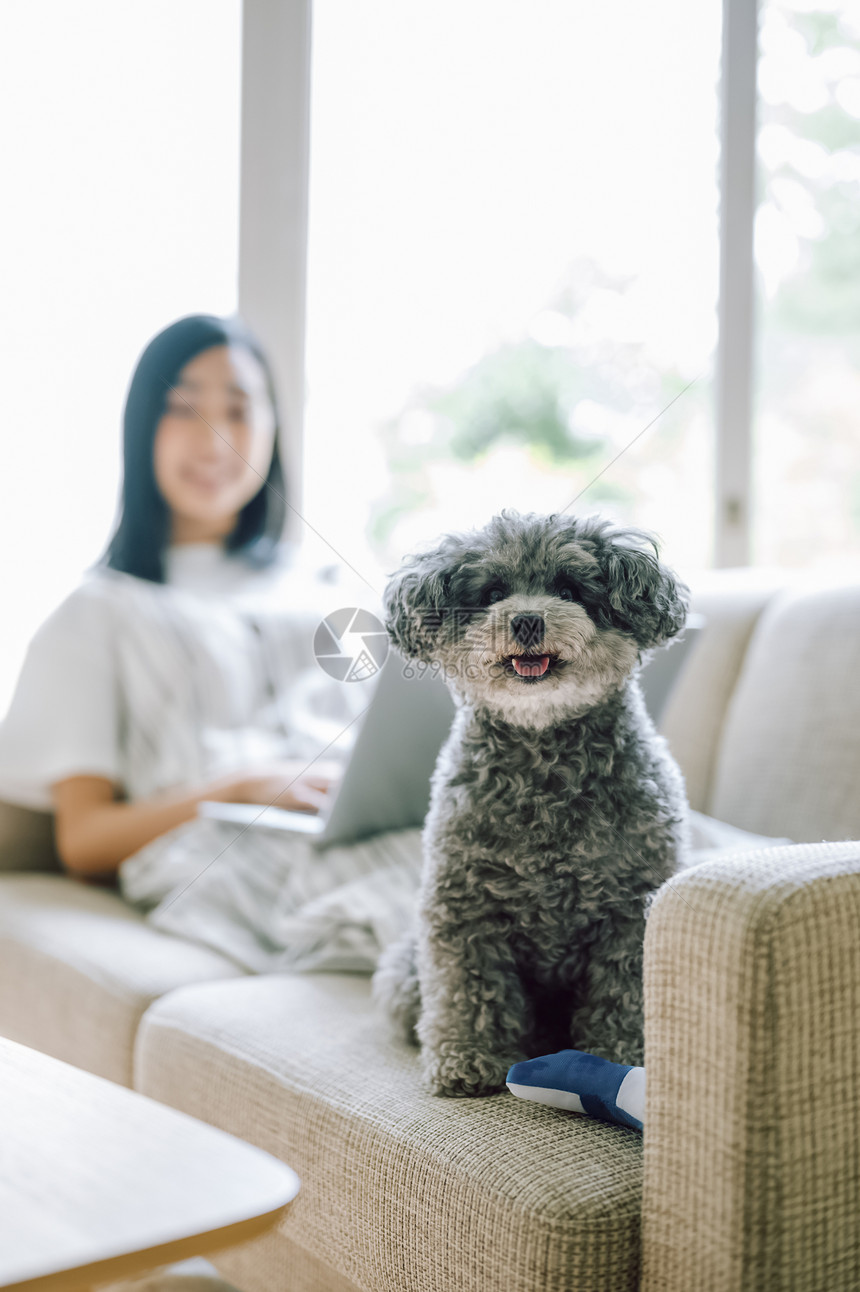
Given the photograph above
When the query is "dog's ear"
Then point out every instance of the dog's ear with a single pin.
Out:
(415, 602)
(646, 599)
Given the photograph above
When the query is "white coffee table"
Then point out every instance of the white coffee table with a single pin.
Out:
(99, 1183)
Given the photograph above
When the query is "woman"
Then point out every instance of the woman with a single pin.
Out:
(182, 667)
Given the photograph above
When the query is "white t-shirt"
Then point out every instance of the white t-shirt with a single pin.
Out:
(159, 685)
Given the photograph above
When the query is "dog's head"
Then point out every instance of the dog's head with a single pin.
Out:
(537, 618)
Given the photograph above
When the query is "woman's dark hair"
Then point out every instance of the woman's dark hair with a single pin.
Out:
(143, 528)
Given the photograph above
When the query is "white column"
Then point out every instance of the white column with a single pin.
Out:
(273, 214)
(734, 378)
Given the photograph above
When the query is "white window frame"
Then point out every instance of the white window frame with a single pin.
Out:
(273, 209)
(734, 368)
(273, 236)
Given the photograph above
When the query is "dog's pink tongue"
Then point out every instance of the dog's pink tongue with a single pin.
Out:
(531, 665)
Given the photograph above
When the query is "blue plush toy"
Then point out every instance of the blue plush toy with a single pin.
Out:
(583, 1083)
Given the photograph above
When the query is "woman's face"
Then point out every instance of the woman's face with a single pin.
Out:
(213, 445)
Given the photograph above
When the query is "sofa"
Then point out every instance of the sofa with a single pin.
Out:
(746, 1176)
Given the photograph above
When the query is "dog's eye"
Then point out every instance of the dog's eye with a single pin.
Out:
(566, 592)
(494, 593)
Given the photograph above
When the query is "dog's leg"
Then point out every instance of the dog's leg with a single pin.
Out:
(609, 1018)
(474, 1016)
(550, 1011)
(395, 985)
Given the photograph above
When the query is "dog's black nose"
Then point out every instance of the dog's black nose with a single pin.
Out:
(528, 629)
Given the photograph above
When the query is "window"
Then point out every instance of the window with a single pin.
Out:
(121, 171)
(513, 266)
(807, 249)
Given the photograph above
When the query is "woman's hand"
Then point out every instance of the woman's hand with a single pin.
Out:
(290, 783)
(95, 832)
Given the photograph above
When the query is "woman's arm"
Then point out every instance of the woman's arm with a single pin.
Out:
(94, 832)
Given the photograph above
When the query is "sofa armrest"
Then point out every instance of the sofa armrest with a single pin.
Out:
(752, 1052)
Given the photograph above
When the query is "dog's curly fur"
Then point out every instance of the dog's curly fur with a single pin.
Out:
(556, 809)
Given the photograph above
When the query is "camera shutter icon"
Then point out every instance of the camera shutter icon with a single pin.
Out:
(350, 644)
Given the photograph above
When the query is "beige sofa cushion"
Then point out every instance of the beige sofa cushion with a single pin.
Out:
(79, 967)
(400, 1189)
(789, 757)
(731, 601)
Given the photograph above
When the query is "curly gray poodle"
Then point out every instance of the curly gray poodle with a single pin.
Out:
(556, 809)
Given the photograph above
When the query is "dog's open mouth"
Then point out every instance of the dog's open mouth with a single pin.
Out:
(531, 665)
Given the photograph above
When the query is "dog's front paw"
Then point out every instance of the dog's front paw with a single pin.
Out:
(455, 1074)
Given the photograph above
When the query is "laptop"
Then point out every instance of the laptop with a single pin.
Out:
(386, 782)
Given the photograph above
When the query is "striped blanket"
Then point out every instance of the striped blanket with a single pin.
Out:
(270, 901)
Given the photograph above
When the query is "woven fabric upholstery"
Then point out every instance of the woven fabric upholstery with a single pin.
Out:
(401, 1190)
(79, 967)
(301, 1273)
(790, 751)
(752, 1049)
(692, 720)
(278, 1263)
